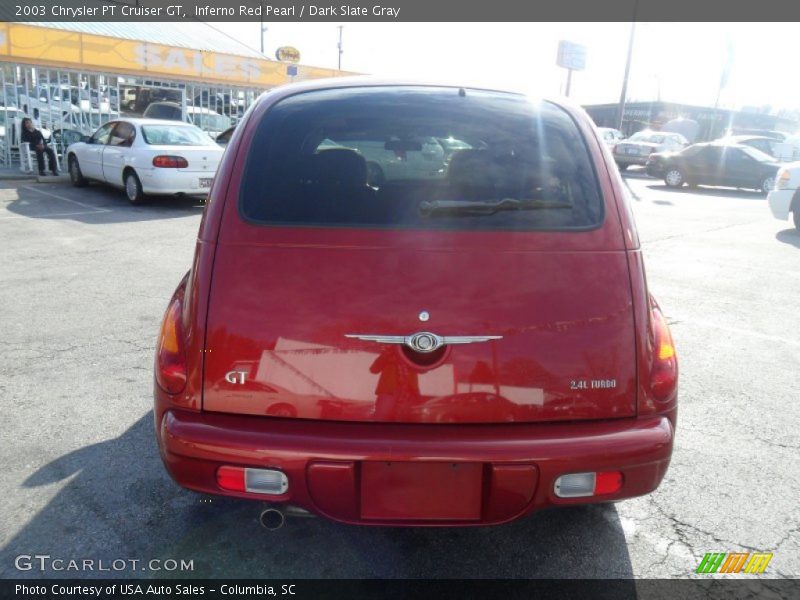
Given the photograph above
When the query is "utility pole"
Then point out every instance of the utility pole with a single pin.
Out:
(569, 82)
(263, 28)
(624, 94)
(339, 46)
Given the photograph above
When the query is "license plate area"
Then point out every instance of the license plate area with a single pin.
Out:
(420, 491)
(205, 182)
(632, 151)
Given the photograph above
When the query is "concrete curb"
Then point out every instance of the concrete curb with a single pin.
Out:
(62, 178)
(8, 175)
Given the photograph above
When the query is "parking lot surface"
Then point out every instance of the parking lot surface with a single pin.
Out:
(84, 281)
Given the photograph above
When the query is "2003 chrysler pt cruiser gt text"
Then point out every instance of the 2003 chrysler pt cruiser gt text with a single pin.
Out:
(415, 305)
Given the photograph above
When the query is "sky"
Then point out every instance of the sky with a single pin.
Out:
(678, 62)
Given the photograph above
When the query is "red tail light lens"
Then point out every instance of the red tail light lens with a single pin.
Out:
(608, 482)
(231, 478)
(170, 350)
(664, 371)
(170, 162)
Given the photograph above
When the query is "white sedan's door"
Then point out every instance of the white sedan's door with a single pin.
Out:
(117, 152)
(91, 156)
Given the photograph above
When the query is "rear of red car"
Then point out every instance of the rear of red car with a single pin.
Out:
(383, 343)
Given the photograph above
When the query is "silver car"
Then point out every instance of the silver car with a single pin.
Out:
(637, 148)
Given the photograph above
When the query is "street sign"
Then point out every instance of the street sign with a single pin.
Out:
(571, 56)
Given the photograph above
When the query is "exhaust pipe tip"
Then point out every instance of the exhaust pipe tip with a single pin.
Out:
(271, 519)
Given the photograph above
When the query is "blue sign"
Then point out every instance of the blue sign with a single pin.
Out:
(571, 56)
(291, 70)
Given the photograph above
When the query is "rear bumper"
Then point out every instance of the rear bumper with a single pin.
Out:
(780, 202)
(324, 461)
(631, 159)
(174, 181)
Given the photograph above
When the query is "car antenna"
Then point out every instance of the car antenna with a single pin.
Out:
(462, 92)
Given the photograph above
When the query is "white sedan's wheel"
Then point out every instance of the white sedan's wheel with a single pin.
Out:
(75, 174)
(674, 178)
(133, 188)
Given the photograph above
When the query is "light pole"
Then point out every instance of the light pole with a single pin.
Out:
(623, 95)
(339, 46)
(264, 30)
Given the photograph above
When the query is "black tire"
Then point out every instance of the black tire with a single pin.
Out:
(375, 176)
(75, 173)
(796, 218)
(622, 167)
(766, 184)
(674, 177)
(133, 188)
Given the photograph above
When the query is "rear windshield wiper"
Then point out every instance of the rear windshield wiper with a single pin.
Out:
(429, 208)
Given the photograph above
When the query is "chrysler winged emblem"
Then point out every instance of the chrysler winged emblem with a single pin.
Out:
(424, 341)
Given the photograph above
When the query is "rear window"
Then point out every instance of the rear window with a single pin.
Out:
(419, 158)
(174, 135)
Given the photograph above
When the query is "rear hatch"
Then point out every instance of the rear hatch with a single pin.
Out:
(321, 275)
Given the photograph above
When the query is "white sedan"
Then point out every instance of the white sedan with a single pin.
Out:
(785, 198)
(146, 156)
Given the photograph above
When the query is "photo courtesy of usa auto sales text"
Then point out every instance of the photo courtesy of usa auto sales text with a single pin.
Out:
(137, 589)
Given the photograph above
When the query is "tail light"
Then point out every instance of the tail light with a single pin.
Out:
(170, 162)
(664, 368)
(256, 481)
(171, 347)
(581, 485)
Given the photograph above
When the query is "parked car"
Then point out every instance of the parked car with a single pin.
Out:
(223, 138)
(396, 159)
(772, 134)
(206, 119)
(611, 137)
(766, 145)
(146, 156)
(785, 197)
(375, 299)
(66, 137)
(717, 164)
(637, 148)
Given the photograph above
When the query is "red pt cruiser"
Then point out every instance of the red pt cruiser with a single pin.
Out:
(415, 305)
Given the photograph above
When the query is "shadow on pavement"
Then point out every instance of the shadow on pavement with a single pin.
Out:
(118, 503)
(708, 191)
(97, 204)
(789, 236)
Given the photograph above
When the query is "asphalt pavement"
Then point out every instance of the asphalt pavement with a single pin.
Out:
(84, 281)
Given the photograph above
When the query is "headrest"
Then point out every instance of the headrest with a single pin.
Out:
(338, 166)
(473, 173)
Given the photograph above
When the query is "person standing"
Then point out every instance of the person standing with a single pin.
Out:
(37, 142)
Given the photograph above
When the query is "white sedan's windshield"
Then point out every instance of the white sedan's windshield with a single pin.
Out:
(174, 135)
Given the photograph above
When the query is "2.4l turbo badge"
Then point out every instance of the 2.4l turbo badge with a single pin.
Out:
(592, 384)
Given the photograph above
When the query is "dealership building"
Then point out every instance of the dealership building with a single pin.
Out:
(73, 77)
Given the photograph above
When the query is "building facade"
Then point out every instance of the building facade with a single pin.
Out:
(73, 77)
